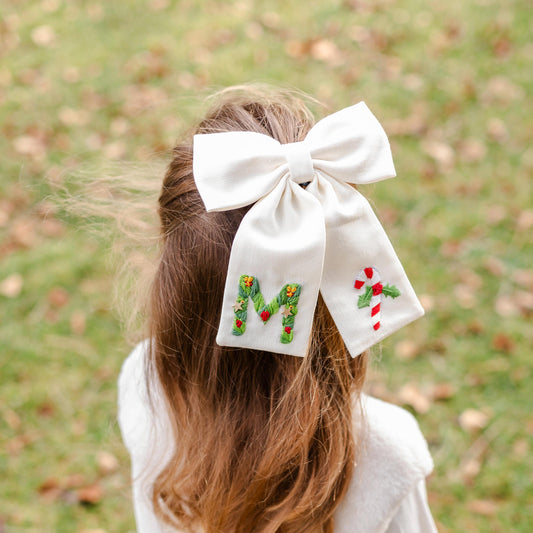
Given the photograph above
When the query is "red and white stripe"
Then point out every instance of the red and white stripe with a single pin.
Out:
(370, 276)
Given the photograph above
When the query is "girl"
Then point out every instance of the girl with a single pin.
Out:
(236, 433)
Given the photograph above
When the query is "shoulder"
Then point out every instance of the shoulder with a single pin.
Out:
(393, 459)
(141, 415)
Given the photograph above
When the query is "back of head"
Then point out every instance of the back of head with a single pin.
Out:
(264, 441)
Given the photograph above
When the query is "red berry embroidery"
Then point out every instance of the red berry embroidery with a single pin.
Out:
(265, 315)
(288, 330)
(238, 323)
(377, 289)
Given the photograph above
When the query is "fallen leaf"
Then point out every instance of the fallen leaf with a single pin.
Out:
(525, 220)
(73, 117)
(502, 90)
(506, 306)
(483, 507)
(521, 447)
(11, 286)
(503, 343)
(11, 418)
(159, 5)
(30, 145)
(441, 152)
(411, 395)
(115, 150)
(465, 295)
(497, 130)
(472, 150)
(524, 300)
(43, 35)
(427, 301)
(107, 463)
(49, 489)
(494, 265)
(78, 322)
(523, 277)
(327, 51)
(442, 391)
(91, 494)
(58, 297)
(406, 349)
(472, 420)
(73, 481)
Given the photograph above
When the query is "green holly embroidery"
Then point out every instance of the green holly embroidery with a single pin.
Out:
(287, 298)
(374, 290)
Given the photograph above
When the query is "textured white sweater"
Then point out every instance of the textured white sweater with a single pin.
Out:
(387, 493)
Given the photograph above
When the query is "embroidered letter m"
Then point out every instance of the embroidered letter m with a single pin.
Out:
(287, 298)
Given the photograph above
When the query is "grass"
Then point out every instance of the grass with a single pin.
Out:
(86, 81)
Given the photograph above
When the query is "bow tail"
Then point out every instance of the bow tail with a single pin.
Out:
(363, 284)
(274, 273)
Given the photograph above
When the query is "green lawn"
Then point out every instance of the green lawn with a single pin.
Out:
(82, 82)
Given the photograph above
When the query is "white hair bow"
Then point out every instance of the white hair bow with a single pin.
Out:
(296, 241)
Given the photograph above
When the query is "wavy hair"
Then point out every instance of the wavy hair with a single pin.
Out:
(264, 442)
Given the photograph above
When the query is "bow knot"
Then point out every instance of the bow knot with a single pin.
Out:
(299, 160)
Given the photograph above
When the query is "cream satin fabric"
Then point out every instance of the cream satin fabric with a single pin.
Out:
(320, 237)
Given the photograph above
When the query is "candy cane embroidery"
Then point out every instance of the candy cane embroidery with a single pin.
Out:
(372, 295)
(288, 298)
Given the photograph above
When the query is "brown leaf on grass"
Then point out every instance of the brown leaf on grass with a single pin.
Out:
(50, 489)
(441, 152)
(483, 507)
(472, 150)
(411, 395)
(58, 297)
(416, 123)
(107, 463)
(524, 300)
(43, 35)
(73, 481)
(497, 130)
(494, 265)
(523, 277)
(427, 301)
(472, 420)
(11, 417)
(524, 221)
(503, 343)
(11, 286)
(521, 448)
(442, 391)
(78, 322)
(73, 117)
(406, 349)
(327, 51)
(506, 306)
(91, 494)
(465, 296)
(159, 5)
(501, 90)
(30, 145)
(472, 461)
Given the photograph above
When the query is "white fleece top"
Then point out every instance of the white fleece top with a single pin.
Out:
(387, 493)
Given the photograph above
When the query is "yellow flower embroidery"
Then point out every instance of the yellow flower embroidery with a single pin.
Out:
(248, 280)
(290, 291)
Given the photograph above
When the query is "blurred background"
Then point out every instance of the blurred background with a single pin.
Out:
(90, 81)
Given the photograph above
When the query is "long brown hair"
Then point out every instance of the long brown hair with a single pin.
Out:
(264, 442)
